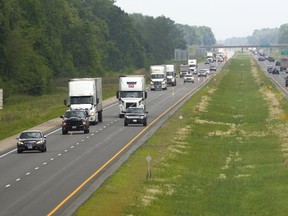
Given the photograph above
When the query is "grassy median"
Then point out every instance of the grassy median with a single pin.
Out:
(227, 156)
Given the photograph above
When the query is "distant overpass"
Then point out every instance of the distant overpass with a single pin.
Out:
(280, 46)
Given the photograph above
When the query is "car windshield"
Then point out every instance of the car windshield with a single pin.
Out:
(135, 110)
(33, 134)
(78, 114)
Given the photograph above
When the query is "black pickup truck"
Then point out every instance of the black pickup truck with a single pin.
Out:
(75, 120)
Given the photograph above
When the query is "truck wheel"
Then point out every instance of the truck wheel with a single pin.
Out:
(145, 123)
(125, 123)
(64, 131)
(100, 116)
(86, 131)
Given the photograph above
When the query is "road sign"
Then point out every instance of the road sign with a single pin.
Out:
(284, 52)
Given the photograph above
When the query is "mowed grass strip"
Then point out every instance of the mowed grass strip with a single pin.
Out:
(227, 156)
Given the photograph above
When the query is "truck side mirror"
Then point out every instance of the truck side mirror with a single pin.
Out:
(65, 102)
(145, 94)
(117, 95)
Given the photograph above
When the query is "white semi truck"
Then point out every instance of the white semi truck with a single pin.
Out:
(192, 65)
(184, 69)
(171, 75)
(132, 93)
(158, 77)
(86, 94)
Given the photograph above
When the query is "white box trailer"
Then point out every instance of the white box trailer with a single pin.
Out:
(171, 74)
(158, 77)
(132, 93)
(86, 94)
(192, 63)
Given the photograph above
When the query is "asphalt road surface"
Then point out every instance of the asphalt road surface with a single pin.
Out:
(58, 181)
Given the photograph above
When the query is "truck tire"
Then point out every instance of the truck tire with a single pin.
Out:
(86, 131)
(64, 132)
(100, 116)
(125, 123)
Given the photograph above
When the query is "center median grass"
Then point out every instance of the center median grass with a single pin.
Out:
(227, 156)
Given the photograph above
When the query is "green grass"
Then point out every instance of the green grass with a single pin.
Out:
(22, 112)
(223, 158)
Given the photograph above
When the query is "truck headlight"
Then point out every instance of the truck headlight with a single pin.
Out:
(20, 143)
(151, 82)
(92, 113)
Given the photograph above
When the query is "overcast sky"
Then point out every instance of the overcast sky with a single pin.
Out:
(226, 18)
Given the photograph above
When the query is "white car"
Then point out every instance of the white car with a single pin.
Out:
(189, 78)
(202, 72)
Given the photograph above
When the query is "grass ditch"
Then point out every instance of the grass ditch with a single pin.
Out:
(227, 156)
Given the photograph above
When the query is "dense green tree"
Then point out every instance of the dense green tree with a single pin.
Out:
(264, 37)
(43, 40)
(283, 34)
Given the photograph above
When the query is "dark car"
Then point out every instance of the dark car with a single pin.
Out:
(270, 59)
(135, 115)
(274, 70)
(75, 120)
(213, 68)
(261, 58)
(286, 81)
(31, 140)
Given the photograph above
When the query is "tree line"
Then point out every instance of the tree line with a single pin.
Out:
(44, 40)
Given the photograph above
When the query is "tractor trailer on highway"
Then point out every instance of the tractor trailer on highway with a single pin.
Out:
(158, 77)
(86, 94)
(132, 93)
(171, 75)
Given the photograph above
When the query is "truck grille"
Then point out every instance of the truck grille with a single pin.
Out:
(131, 105)
(157, 83)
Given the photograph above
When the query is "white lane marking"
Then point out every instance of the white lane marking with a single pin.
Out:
(28, 173)
(44, 163)
(18, 179)
(8, 185)
(36, 168)
(51, 159)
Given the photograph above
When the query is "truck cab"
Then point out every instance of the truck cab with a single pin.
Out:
(158, 77)
(132, 93)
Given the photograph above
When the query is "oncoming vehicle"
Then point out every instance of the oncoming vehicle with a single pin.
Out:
(202, 73)
(213, 68)
(31, 140)
(189, 78)
(75, 120)
(135, 115)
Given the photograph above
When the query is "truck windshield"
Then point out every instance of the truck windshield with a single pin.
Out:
(81, 100)
(157, 76)
(170, 73)
(131, 94)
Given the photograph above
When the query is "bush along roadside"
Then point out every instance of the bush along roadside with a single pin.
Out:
(226, 156)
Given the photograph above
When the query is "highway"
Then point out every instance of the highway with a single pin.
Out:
(277, 79)
(58, 181)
